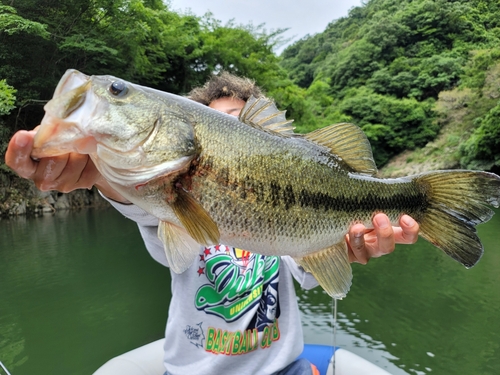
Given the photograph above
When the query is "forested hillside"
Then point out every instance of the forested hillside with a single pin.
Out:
(138, 40)
(401, 68)
(405, 71)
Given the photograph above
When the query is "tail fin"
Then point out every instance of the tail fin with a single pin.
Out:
(456, 202)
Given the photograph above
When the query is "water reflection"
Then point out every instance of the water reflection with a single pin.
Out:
(78, 288)
(317, 310)
(418, 310)
(73, 292)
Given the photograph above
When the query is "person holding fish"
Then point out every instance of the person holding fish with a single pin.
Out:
(232, 311)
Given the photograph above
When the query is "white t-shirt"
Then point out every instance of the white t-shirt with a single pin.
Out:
(232, 311)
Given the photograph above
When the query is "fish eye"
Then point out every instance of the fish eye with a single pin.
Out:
(118, 88)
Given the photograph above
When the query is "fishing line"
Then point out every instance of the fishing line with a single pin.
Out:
(334, 314)
(4, 368)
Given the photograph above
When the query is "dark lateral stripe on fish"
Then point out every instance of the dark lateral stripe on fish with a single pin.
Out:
(285, 195)
(276, 195)
(370, 202)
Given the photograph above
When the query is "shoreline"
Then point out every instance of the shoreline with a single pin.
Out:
(22, 198)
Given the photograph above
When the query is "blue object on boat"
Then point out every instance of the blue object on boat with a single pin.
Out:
(319, 355)
(148, 360)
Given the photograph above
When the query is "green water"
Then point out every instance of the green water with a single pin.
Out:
(79, 288)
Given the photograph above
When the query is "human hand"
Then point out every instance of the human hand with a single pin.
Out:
(364, 244)
(63, 173)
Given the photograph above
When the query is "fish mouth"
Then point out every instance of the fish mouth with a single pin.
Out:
(66, 128)
(61, 129)
(71, 79)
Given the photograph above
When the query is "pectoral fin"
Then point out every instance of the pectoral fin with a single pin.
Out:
(195, 219)
(180, 248)
(331, 268)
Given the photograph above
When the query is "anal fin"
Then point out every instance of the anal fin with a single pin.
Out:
(180, 248)
(331, 268)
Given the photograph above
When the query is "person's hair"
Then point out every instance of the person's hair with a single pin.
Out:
(225, 85)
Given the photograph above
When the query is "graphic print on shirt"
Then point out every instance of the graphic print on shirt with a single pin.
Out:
(237, 282)
(195, 335)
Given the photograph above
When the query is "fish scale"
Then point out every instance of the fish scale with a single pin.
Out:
(325, 200)
(250, 182)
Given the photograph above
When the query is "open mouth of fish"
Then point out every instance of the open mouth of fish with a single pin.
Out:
(66, 115)
(67, 127)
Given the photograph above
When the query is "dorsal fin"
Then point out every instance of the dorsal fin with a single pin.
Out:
(262, 112)
(349, 143)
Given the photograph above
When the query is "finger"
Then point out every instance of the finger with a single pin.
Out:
(89, 176)
(408, 233)
(69, 179)
(385, 234)
(70, 173)
(18, 154)
(48, 171)
(356, 244)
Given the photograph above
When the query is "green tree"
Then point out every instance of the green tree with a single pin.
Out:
(137, 40)
(482, 149)
(7, 100)
(388, 60)
(392, 125)
(11, 23)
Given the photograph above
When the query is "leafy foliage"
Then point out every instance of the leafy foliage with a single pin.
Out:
(386, 63)
(137, 40)
(7, 98)
(11, 23)
(382, 67)
(392, 125)
(481, 150)
(142, 41)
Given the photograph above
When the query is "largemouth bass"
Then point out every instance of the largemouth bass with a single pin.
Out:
(250, 182)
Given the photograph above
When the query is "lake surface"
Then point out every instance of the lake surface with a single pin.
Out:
(78, 288)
